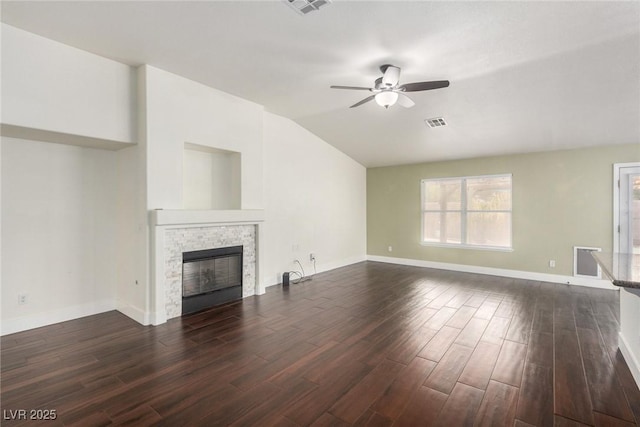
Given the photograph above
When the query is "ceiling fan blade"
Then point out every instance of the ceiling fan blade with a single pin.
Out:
(418, 86)
(405, 101)
(350, 87)
(391, 75)
(367, 99)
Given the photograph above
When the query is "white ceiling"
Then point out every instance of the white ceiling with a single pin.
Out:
(525, 76)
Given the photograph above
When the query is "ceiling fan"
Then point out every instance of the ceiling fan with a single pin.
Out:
(387, 92)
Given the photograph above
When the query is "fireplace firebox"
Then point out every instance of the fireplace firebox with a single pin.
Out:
(211, 277)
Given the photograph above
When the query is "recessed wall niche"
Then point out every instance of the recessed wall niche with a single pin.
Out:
(210, 178)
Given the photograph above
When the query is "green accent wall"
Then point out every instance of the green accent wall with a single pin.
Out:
(561, 199)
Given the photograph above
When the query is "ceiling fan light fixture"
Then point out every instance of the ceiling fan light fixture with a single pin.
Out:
(387, 90)
(386, 98)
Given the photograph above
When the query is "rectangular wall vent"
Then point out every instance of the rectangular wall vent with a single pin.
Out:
(305, 6)
(584, 265)
(436, 122)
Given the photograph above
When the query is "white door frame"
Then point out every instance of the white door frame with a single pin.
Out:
(616, 201)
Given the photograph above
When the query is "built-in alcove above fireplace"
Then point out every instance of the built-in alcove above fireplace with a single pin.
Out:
(211, 178)
(180, 232)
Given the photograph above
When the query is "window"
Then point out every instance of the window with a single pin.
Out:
(467, 211)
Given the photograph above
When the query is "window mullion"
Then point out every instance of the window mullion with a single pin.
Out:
(463, 214)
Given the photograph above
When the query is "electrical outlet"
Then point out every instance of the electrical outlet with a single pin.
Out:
(390, 249)
(312, 257)
(22, 299)
(552, 263)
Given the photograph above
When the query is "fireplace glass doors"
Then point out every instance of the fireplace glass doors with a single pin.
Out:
(211, 277)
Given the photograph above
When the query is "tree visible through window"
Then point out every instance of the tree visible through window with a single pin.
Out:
(467, 211)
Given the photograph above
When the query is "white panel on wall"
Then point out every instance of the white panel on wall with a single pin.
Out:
(584, 264)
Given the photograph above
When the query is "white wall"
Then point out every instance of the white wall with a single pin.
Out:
(54, 92)
(315, 201)
(58, 222)
(179, 111)
(51, 86)
(131, 236)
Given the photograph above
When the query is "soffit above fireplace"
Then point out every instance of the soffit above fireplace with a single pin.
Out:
(168, 217)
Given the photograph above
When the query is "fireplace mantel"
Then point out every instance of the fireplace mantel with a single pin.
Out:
(169, 224)
(168, 217)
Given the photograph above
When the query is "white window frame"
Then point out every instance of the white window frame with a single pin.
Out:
(463, 214)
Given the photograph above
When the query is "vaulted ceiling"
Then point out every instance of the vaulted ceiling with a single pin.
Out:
(525, 76)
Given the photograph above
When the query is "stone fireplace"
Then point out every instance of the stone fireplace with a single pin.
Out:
(177, 233)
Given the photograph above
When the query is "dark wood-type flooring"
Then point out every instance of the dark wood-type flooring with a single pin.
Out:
(370, 344)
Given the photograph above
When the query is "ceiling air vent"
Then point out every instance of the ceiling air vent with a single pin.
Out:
(436, 122)
(305, 6)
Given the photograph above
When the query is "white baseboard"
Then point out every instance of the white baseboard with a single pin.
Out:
(37, 320)
(629, 357)
(515, 274)
(341, 263)
(321, 268)
(133, 312)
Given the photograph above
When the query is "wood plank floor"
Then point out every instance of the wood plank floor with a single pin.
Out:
(370, 344)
